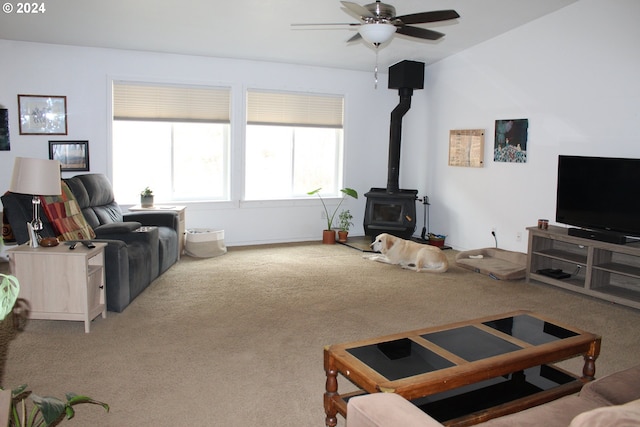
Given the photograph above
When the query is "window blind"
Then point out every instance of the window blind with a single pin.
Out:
(137, 101)
(294, 109)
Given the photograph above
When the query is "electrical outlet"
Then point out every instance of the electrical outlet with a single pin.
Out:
(494, 230)
(518, 237)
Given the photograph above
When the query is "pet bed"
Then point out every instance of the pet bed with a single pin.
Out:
(494, 262)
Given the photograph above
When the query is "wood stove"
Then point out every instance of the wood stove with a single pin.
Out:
(392, 213)
(393, 210)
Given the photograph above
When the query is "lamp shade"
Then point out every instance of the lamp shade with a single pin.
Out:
(39, 177)
(377, 33)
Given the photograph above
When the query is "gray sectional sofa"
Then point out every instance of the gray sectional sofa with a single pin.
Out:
(613, 400)
(140, 245)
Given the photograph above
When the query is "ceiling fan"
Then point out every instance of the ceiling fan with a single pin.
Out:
(379, 22)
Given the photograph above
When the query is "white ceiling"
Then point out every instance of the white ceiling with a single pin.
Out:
(261, 30)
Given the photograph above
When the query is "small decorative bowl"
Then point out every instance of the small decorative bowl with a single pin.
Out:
(49, 242)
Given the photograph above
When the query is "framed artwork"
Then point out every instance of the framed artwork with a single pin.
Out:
(511, 141)
(466, 148)
(72, 155)
(4, 130)
(42, 115)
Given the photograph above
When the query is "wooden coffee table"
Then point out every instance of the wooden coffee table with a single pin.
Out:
(467, 372)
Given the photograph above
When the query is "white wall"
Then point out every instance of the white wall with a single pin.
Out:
(84, 75)
(574, 74)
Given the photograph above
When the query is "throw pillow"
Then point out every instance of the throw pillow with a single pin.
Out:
(66, 217)
(626, 415)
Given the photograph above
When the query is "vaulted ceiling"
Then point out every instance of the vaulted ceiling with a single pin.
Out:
(261, 29)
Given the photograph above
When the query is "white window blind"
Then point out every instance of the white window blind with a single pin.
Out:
(136, 101)
(294, 109)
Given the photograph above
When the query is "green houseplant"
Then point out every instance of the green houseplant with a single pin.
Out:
(344, 223)
(326, 235)
(146, 198)
(47, 411)
(43, 411)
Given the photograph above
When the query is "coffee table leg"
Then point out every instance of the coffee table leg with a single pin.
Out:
(331, 388)
(589, 369)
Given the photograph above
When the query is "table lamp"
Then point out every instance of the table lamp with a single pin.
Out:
(37, 177)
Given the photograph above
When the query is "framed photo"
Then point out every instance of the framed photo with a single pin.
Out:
(72, 155)
(42, 115)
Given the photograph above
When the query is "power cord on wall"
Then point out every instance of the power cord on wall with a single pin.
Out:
(493, 233)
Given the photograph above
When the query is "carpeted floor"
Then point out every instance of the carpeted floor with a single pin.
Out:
(237, 340)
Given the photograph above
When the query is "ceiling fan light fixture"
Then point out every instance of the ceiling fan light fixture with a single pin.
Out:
(377, 33)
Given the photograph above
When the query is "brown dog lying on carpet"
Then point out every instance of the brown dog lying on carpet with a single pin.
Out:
(408, 254)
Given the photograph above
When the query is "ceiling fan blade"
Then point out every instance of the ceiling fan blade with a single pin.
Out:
(433, 16)
(351, 24)
(421, 33)
(358, 10)
(354, 38)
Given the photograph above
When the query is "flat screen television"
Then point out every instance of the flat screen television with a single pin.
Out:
(599, 194)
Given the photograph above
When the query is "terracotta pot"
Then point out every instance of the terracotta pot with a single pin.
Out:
(436, 242)
(328, 237)
(342, 236)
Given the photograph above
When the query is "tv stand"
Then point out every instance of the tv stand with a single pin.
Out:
(601, 235)
(601, 269)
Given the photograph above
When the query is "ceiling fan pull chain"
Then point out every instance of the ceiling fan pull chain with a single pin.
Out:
(375, 70)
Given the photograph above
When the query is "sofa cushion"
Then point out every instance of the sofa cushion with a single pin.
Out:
(65, 216)
(117, 228)
(626, 415)
(558, 413)
(386, 410)
(95, 198)
(615, 389)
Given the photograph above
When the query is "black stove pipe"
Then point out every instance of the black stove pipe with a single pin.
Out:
(395, 138)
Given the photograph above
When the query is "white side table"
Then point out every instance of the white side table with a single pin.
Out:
(181, 210)
(60, 283)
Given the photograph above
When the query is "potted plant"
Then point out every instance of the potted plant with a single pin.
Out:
(329, 235)
(436, 240)
(48, 411)
(344, 222)
(146, 198)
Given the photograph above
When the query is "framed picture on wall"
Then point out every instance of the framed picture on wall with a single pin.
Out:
(511, 141)
(42, 114)
(72, 155)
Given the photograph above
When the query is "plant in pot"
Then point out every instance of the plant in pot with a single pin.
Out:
(146, 198)
(436, 240)
(329, 234)
(47, 411)
(344, 222)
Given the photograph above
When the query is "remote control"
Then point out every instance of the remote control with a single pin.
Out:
(89, 245)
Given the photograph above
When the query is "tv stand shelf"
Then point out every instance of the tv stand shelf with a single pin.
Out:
(600, 269)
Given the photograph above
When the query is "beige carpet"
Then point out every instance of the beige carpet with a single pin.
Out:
(237, 340)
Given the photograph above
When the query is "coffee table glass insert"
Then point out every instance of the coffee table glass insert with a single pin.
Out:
(471, 343)
(530, 329)
(400, 358)
(481, 396)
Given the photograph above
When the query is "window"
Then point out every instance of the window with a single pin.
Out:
(293, 145)
(173, 139)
